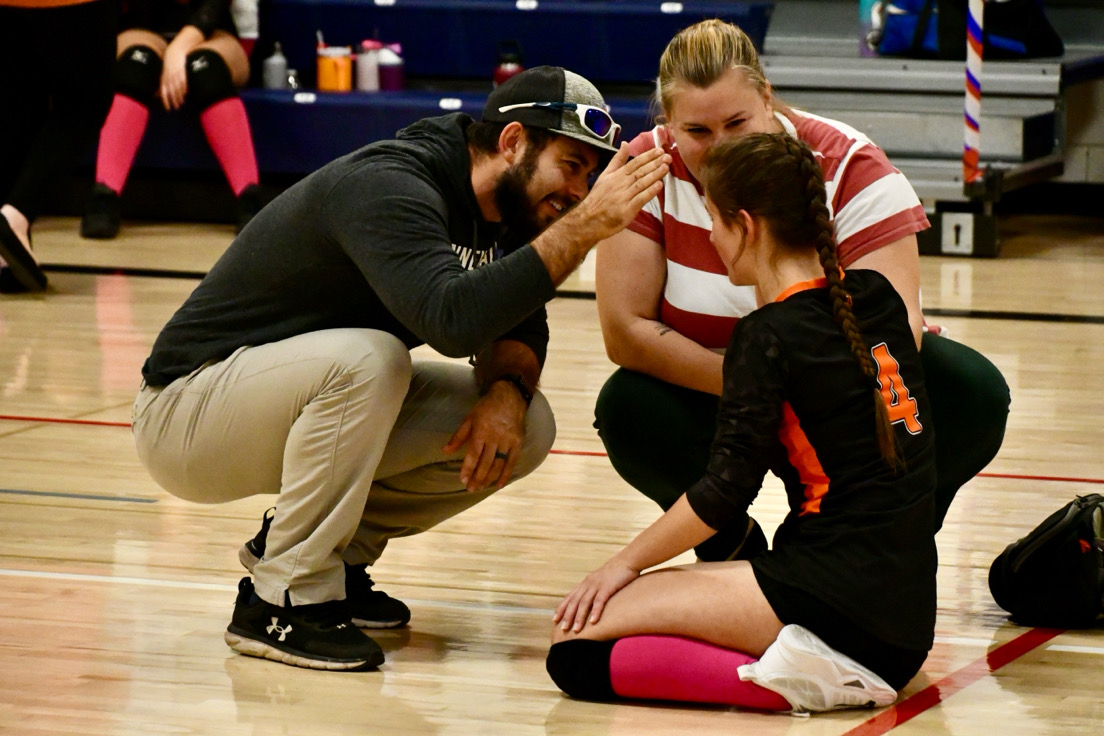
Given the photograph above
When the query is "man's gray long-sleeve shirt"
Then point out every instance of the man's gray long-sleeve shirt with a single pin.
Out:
(389, 237)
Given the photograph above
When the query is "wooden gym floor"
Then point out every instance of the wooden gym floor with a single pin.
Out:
(115, 595)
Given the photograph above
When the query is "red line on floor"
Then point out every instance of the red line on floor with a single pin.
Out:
(1041, 477)
(56, 420)
(1013, 476)
(938, 692)
(579, 453)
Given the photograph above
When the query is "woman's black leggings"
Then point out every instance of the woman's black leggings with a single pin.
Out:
(55, 85)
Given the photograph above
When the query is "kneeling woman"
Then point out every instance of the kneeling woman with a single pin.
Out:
(823, 387)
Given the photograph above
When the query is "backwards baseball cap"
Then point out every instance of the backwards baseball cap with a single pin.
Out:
(552, 97)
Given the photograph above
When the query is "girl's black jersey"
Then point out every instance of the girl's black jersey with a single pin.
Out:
(858, 536)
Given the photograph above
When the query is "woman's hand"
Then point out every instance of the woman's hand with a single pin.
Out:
(585, 604)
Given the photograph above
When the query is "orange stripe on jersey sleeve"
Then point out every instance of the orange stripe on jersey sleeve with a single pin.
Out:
(804, 459)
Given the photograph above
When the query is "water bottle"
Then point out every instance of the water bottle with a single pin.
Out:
(335, 69)
(367, 66)
(509, 61)
(275, 69)
(391, 76)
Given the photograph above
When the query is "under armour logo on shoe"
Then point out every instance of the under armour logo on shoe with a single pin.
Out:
(275, 627)
(198, 64)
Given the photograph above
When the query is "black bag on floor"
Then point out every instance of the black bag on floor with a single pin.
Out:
(1054, 576)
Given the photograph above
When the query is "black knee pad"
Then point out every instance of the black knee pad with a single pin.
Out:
(209, 79)
(138, 73)
(581, 668)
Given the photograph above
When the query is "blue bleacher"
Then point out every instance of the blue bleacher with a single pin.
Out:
(450, 49)
(605, 41)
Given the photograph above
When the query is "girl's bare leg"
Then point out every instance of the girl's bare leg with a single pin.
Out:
(716, 602)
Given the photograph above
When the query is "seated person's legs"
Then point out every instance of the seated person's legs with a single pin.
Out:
(969, 399)
(215, 72)
(718, 605)
(684, 634)
(137, 80)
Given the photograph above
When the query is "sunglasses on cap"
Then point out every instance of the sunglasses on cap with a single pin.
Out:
(594, 119)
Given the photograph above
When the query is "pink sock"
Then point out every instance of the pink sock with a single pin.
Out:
(676, 668)
(119, 140)
(227, 130)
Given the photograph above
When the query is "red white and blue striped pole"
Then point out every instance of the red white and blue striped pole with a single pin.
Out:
(971, 169)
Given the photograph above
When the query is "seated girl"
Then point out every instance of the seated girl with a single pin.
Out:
(822, 387)
(170, 53)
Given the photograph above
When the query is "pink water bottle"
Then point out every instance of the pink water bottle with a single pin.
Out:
(509, 61)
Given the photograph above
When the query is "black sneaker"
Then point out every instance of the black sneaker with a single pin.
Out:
(248, 205)
(21, 271)
(319, 636)
(102, 214)
(370, 609)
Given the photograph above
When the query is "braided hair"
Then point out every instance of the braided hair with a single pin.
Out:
(777, 178)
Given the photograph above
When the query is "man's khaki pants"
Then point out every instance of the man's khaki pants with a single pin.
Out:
(344, 426)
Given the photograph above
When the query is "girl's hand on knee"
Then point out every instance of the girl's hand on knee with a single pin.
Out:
(585, 604)
(174, 77)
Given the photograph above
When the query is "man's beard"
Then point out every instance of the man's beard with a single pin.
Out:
(519, 214)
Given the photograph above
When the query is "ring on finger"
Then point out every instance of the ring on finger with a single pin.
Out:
(502, 456)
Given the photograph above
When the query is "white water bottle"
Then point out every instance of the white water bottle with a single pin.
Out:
(367, 66)
(274, 72)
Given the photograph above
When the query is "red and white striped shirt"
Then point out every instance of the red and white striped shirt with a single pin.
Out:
(871, 202)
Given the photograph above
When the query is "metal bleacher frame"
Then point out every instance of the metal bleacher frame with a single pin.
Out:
(914, 110)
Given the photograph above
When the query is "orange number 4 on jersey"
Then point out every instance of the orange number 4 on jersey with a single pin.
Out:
(902, 407)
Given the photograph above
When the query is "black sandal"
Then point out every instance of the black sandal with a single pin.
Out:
(22, 272)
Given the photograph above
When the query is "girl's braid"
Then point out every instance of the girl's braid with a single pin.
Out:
(825, 244)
